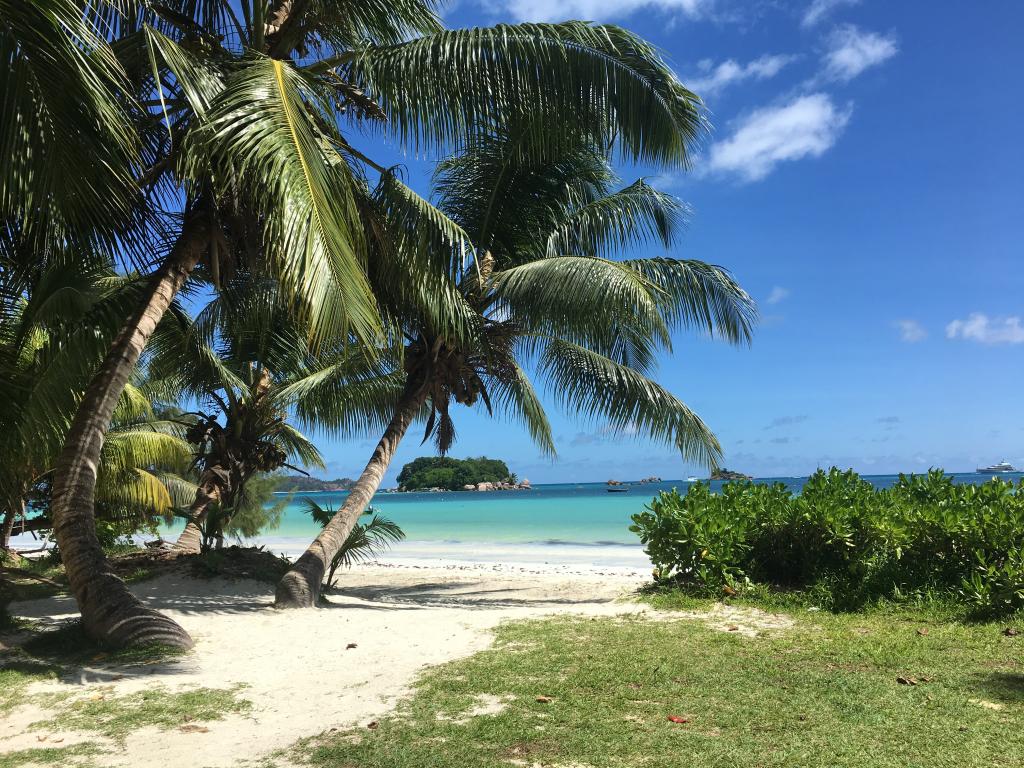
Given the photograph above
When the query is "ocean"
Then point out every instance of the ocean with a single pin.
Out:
(565, 524)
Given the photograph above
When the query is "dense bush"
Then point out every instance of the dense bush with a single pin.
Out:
(845, 539)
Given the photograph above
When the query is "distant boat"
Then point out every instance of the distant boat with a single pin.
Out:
(616, 486)
(692, 479)
(1002, 466)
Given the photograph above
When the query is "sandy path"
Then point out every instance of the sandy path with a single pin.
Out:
(300, 678)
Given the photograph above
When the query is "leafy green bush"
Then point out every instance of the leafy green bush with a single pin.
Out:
(842, 537)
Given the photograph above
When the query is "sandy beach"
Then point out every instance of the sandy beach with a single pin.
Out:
(310, 671)
(296, 667)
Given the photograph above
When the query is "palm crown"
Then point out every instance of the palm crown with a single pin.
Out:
(529, 285)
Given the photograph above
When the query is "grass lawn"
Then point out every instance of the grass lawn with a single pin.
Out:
(834, 690)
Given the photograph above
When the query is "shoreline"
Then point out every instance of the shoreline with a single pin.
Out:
(539, 558)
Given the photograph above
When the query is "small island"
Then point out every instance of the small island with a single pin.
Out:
(304, 484)
(442, 473)
(728, 474)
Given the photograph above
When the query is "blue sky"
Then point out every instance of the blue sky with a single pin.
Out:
(864, 183)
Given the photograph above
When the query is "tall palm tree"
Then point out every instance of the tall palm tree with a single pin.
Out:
(234, 360)
(246, 116)
(541, 292)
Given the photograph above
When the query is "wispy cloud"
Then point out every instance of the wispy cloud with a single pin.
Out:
(786, 421)
(594, 10)
(852, 50)
(715, 78)
(808, 126)
(586, 438)
(911, 331)
(777, 295)
(888, 419)
(985, 330)
(819, 10)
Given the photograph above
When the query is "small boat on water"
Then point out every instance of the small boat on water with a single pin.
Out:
(693, 479)
(1002, 466)
(616, 486)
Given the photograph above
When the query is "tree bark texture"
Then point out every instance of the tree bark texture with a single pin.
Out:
(300, 587)
(111, 614)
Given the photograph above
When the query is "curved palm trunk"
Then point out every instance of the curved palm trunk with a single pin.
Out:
(209, 491)
(190, 542)
(300, 587)
(110, 613)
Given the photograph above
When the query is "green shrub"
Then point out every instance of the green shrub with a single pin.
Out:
(842, 537)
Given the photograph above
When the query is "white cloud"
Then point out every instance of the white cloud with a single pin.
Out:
(819, 9)
(808, 126)
(778, 294)
(714, 78)
(851, 51)
(911, 331)
(985, 330)
(595, 10)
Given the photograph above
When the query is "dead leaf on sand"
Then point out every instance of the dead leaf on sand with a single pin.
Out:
(350, 646)
(190, 728)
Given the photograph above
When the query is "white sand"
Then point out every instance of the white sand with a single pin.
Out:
(294, 665)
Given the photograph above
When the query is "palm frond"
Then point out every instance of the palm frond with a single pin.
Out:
(515, 396)
(602, 304)
(596, 388)
(450, 86)
(632, 216)
(263, 138)
(694, 294)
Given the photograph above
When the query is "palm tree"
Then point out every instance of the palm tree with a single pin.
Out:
(236, 359)
(589, 326)
(245, 114)
(364, 542)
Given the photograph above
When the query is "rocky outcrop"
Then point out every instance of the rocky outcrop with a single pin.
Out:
(728, 474)
(501, 485)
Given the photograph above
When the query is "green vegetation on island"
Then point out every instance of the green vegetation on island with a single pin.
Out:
(303, 484)
(453, 474)
(728, 474)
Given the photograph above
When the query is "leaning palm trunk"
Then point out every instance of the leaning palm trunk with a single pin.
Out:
(7, 531)
(110, 613)
(209, 491)
(300, 587)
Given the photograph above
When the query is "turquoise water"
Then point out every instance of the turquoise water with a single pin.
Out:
(565, 523)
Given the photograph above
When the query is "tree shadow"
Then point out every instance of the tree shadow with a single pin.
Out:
(1008, 687)
(461, 594)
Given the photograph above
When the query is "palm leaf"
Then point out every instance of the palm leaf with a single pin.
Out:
(596, 388)
(450, 86)
(263, 137)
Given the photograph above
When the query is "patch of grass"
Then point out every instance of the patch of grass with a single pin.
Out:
(117, 716)
(826, 692)
(16, 674)
(70, 755)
